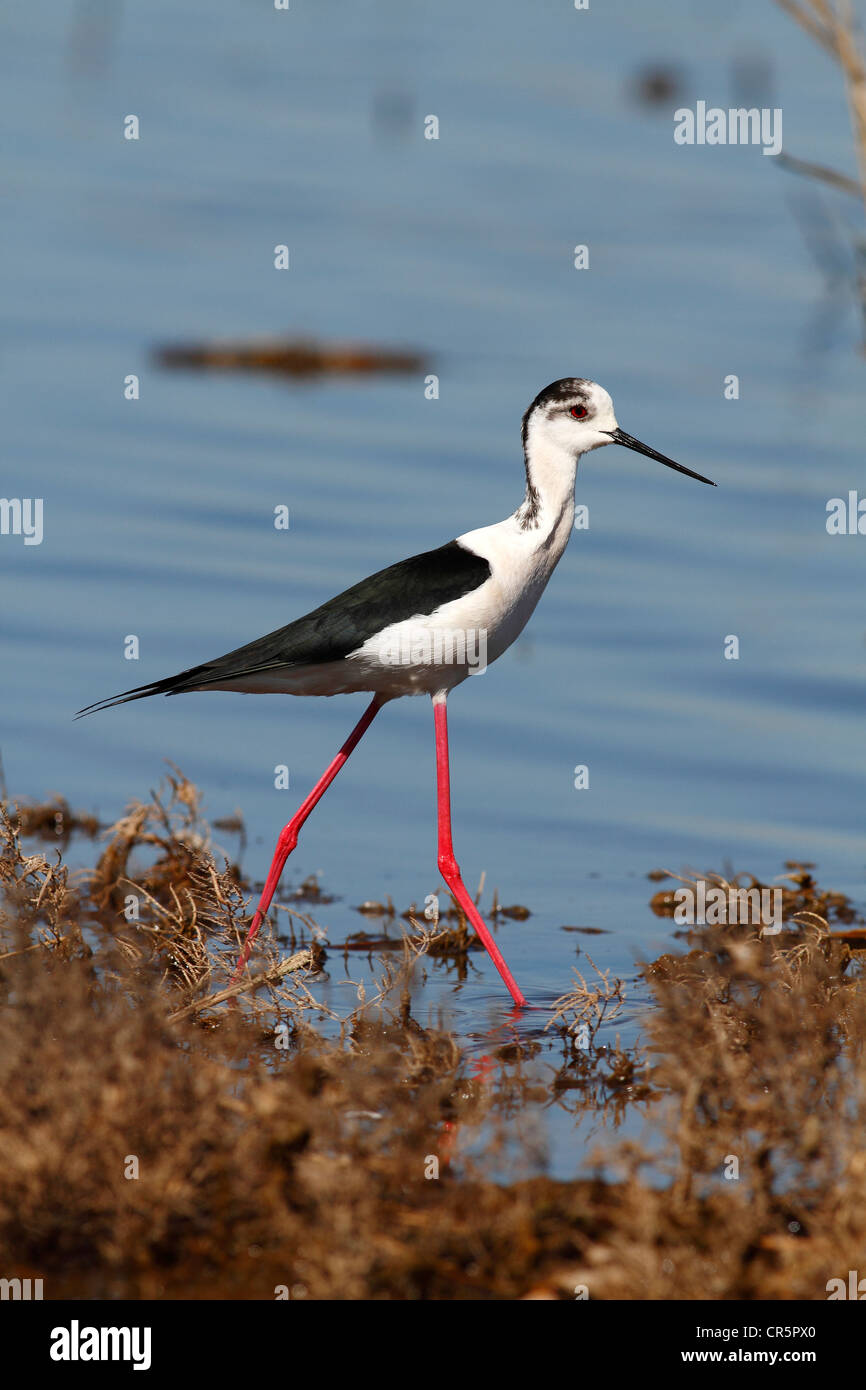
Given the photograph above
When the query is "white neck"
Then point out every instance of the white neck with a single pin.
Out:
(548, 507)
(524, 549)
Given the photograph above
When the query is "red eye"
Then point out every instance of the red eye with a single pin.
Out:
(579, 412)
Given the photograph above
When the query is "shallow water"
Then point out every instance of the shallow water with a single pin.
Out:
(260, 128)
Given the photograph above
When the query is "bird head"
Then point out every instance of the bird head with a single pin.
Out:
(576, 416)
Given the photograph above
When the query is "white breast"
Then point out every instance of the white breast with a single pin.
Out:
(437, 651)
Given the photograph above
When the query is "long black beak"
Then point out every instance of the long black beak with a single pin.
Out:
(620, 437)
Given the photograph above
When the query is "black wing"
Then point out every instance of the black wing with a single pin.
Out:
(413, 587)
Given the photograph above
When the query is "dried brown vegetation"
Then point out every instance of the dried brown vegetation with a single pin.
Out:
(157, 1141)
(835, 28)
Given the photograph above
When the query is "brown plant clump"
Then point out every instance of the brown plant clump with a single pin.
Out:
(162, 1136)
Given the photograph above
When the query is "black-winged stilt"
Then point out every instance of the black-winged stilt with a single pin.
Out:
(425, 624)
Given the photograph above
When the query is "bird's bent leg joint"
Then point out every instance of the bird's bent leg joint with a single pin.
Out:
(288, 837)
(449, 868)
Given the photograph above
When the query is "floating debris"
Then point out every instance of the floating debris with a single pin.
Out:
(517, 913)
(290, 357)
(373, 909)
(55, 820)
(657, 85)
(364, 941)
(309, 891)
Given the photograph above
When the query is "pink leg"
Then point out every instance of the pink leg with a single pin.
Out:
(448, 864)
(289, 835)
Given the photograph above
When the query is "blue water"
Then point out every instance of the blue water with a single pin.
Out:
(261, 127)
